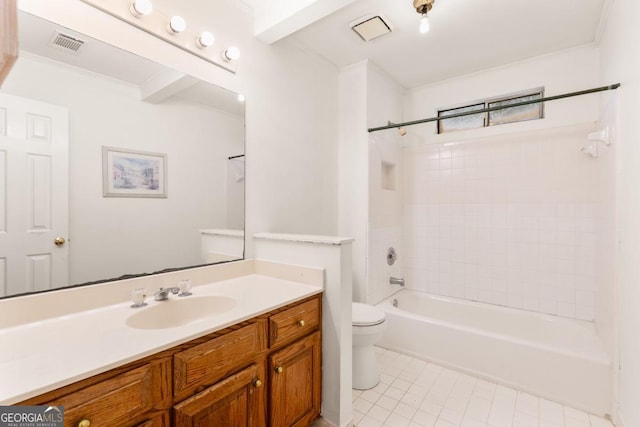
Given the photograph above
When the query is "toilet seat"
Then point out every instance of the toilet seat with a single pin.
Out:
(366, 315)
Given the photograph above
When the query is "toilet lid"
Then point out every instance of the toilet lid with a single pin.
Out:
(366, 315)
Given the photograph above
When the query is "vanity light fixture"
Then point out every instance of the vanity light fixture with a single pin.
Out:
(171, 26)
(205, 40)
(140, 8)
(231, 53)
(176, 25)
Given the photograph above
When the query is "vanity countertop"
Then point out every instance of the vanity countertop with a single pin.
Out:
(44, 355)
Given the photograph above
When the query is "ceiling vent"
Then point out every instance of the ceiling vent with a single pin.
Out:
(65, 42)
(371, 27)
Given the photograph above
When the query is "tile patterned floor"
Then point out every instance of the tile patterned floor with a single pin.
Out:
(415, 393)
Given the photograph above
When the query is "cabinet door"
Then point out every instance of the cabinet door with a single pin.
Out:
(236, 401)
(295, 383)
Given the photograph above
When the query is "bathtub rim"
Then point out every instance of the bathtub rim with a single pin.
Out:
(603, 357)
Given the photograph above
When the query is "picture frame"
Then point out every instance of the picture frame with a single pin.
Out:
(133, 173)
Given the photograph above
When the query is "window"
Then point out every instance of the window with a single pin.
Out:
(507, 115)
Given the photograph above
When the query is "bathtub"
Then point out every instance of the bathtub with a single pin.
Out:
(555, 358)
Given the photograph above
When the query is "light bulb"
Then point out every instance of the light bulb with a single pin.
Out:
(205, 39)
(424, 24)
(177, 24)
(241, 97)
(140, 8)
(231, 53)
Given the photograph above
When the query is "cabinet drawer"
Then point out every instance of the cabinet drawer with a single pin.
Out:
(294, 323)
(122, 400)
(205, 364)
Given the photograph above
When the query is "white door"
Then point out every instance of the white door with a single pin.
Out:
(34, 195)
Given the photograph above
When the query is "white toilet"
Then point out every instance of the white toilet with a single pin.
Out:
(368, 324)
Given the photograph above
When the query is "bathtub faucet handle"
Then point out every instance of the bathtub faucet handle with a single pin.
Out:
(396, 281)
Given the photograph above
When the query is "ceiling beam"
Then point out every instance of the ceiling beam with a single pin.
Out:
(164, 84)
(275, 20)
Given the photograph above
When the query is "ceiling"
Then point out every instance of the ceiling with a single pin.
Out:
(466, 35)
(106, 60)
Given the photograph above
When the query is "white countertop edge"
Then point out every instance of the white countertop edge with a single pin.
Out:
(305, 238)
(222, 232)
(160, 340)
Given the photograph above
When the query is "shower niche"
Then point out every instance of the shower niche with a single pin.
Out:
(388, 176)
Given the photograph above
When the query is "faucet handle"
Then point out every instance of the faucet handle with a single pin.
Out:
(185, 288)
(137, 297)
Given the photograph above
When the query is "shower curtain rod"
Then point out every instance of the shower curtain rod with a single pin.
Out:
(489, 109)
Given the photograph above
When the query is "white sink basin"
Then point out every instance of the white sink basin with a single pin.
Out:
(179, 311)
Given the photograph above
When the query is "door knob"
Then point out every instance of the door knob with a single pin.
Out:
(59, 241)
(279, 369)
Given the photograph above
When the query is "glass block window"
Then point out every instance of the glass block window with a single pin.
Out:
(492, 118)
(471, 121)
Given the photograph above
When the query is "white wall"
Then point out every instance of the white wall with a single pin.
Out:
(384, 103)
(368, 96)
(567, 71)
(115, 236)
(621, 63)
(354, 169)
(235, 191)
(291, 109)
(606, 248)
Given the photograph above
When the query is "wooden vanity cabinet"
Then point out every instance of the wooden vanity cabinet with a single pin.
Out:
(289, 395)
(264, 372)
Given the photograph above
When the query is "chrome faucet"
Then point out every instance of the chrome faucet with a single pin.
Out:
(163, 293)
(396, 281)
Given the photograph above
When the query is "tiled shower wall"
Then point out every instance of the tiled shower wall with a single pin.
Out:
(509, 220)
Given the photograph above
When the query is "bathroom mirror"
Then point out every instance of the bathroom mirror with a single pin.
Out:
(112, 165)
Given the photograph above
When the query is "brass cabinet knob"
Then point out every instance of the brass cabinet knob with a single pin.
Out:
(60, 241)
(279, 369)
(301, 323)
(84, 423)
(257, 383)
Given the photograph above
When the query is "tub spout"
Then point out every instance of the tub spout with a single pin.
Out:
(396, 281)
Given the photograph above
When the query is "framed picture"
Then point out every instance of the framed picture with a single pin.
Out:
(129, 173)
